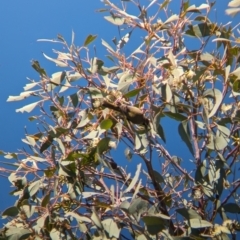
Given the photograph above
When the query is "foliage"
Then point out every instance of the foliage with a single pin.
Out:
(71, 185)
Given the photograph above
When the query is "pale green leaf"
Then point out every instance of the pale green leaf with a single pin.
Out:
(198, 223)
(232, 11)
(188, 213)
(30, 86)
(217, 95)
(227, 71)
(58, 62)
(107, 46)
(174, 17)
(34, 187)
(96, 220)
(135, 179)
(111, 228)
(22, 96)
(28, 108)
(115, 20)
(78, 217)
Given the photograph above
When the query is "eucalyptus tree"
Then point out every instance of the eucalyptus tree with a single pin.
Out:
(96, 114)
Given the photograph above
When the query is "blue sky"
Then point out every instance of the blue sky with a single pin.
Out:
(21, 24)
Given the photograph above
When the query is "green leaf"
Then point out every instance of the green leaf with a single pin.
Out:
(198, 223)
(37, 67)
(106, 124)
(132, 93)
(74, 99)
(164, 4)
(160, 132)
(175, 116)
(184, 133)
(199, 30)
(166, 93)
(158, 177)
(137, 207)
(46, 144)
(188, 213)
(90, 38)
(231, 208)
(49, 172)
(201, 172)
(46, 200)
(236, 86)
(103, 145)
(11, 212)
(155, 223)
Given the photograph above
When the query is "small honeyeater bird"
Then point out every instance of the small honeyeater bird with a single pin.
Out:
(133, 114)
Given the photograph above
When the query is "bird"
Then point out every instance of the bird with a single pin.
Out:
(133, 114)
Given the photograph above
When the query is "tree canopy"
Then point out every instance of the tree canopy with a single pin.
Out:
(70, 181)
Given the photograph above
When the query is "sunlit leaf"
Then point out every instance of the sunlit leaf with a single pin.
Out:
(58, 62)
(22, 96)
(198, 223)
(28, 108)
(115, 20)
(111, 227)
(135, 179)
(96, 220)
(34, 187)
(217, 96)
(124, 40)
(107, 45)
